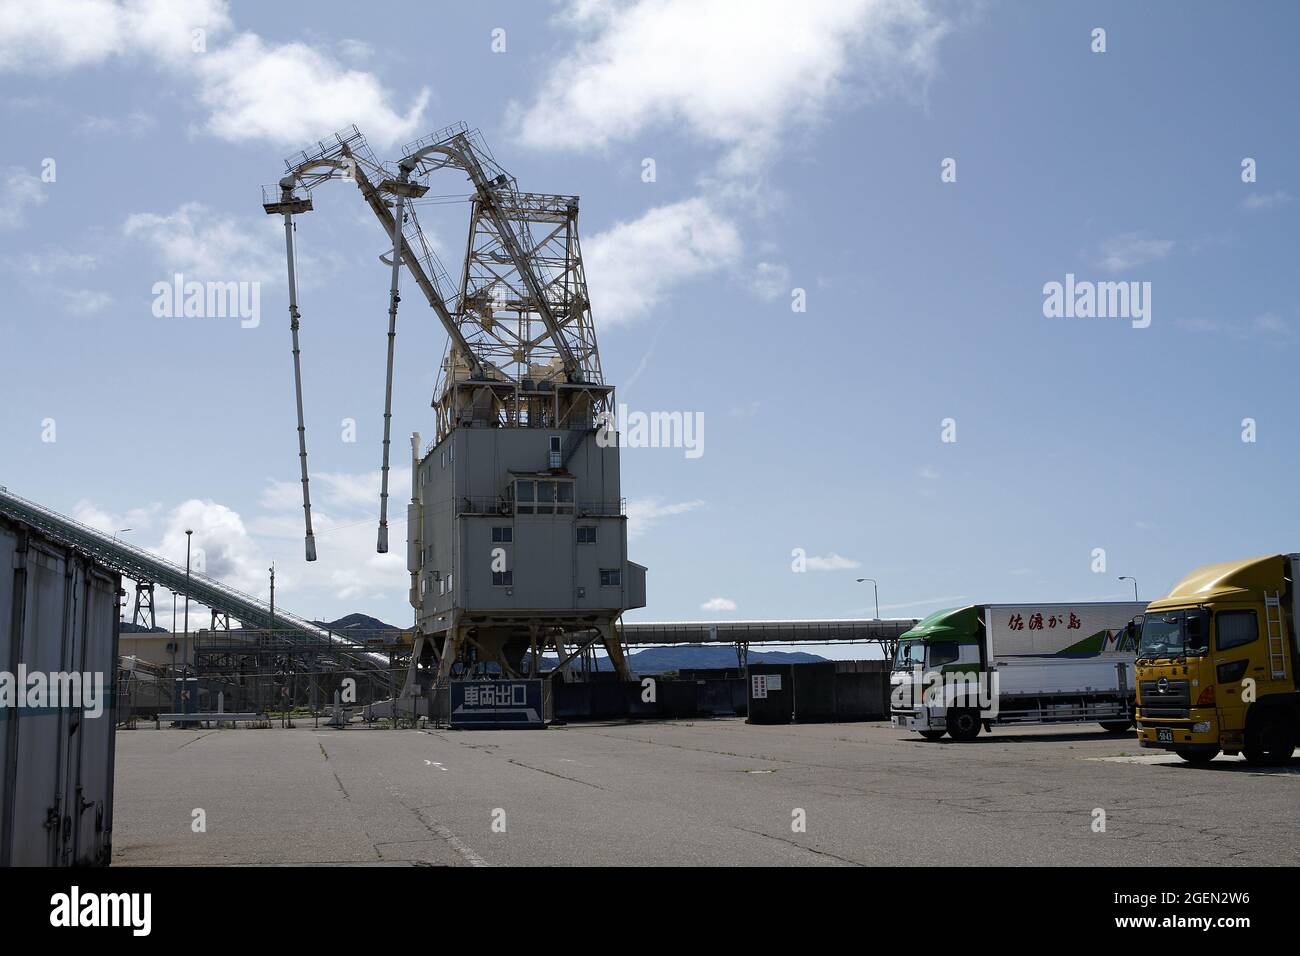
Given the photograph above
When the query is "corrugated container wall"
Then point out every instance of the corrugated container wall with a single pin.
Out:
(58, 614)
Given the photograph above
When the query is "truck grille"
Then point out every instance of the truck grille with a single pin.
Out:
(1164, 698)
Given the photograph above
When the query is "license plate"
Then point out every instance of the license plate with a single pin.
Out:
(1164, 735)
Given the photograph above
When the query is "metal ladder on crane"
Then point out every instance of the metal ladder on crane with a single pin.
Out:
(1276, 628)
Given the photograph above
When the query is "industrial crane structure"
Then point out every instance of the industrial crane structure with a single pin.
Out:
(516, 531)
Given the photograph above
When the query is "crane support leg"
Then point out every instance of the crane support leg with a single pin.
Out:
(614, 649)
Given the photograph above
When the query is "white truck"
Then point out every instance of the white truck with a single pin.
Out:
(985, 664)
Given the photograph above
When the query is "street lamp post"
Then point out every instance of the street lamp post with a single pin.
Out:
(1125, 577)
(875, 588)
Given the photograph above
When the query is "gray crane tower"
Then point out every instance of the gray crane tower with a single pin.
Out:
(516, 530)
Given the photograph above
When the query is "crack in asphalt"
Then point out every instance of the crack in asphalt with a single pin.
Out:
(795, 843)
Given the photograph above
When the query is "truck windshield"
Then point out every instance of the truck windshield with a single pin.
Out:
(908, 655)
(1175, 634)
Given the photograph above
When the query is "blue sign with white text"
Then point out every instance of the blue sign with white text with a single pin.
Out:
(496, 703)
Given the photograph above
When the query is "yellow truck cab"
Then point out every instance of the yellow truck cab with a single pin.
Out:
(1217, 662)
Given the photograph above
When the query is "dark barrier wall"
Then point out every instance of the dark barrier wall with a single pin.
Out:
(861, 696)
(608, 700)
(861, 690)
(808, 693)
(679, 698)
(768, 702)
(714, 698)
(814, 692)
(673, 699)
(572, 701)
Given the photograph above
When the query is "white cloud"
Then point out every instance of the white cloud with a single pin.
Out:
(240, 552)
(718, 604)
(770, 280)
(221, 548)
(207, 246)
(19, 190)
(52, 261)
(1266, 200)
(340, 490)
(85, 301)
(64, 35)
(645, 513)
(737, 77)
(1130, 250)
(135, 123)
(292, 93)
(830, 562)
(632, 265)
(1270, 323)
(355, 49)
(253, 89)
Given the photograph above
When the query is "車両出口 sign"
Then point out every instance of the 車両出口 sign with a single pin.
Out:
(492, 704)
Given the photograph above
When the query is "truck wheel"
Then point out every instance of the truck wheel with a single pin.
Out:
(933, 734)
(963, 724)
(1116, 726)
(1197, 756)
(1270, 742)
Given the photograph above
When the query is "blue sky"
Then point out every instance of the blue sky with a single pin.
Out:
(795, 147)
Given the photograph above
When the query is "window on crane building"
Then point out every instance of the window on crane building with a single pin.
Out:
(543, 497)
(586, 534)
(546, 497)
(611, 577)
(503, 535)
(503, 579)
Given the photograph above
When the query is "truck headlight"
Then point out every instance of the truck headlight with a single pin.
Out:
(1202, 728)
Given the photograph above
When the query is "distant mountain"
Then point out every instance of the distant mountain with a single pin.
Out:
(356, 623)
(657, 660)
(126, 627)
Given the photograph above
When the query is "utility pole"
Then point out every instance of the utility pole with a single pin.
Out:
(272, 595)
(185, 661)
(1125, 577)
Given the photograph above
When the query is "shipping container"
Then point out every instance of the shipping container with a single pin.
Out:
(58, 619)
